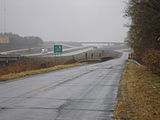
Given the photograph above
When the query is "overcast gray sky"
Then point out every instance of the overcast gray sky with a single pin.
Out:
(67, 20)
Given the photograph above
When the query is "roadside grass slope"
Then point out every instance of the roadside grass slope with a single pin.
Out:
(139, 95)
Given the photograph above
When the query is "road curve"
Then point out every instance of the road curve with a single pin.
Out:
(79, 93)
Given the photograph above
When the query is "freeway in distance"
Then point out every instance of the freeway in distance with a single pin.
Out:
(66, 52)
(80, 93)
(77, 52)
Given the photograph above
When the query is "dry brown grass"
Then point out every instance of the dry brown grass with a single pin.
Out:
(33, 72)
(139, 95)
(19, 67)
(34, 63)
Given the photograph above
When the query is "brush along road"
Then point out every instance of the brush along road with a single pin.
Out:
(80, 93)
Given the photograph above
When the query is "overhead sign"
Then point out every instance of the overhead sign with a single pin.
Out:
(4, 39)
(58, 48)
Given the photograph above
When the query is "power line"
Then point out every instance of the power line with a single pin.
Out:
(5, 12)
(3, 16)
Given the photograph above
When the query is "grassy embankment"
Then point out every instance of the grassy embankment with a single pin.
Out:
(139, 95)
(38, 71)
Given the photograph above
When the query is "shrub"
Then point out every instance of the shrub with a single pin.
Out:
(151, 59)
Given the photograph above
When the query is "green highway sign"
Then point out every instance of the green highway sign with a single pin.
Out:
(58, 48)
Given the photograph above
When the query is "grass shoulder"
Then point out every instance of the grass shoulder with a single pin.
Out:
(139, 95)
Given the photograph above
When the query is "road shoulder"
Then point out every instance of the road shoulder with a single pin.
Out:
(139, 95)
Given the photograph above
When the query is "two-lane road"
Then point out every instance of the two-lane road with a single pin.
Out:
(79, 93)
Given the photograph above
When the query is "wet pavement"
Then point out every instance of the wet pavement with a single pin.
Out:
(80, 93)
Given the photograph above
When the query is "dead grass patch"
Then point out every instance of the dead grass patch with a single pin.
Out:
(139, 95)
(33, 72)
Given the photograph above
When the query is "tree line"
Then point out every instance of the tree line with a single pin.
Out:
(16, 40)
(144, 32)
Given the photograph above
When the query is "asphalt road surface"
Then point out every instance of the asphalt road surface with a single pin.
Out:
(80, 93)
(77, 52)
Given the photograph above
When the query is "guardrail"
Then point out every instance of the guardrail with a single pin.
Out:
(5, 59)
(9, 58)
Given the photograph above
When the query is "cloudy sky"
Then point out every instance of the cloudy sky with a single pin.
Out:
(67, 20)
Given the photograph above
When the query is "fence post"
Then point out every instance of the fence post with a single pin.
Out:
(86, 56)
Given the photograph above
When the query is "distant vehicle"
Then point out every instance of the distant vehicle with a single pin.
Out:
(44, 51)
(4, 53)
